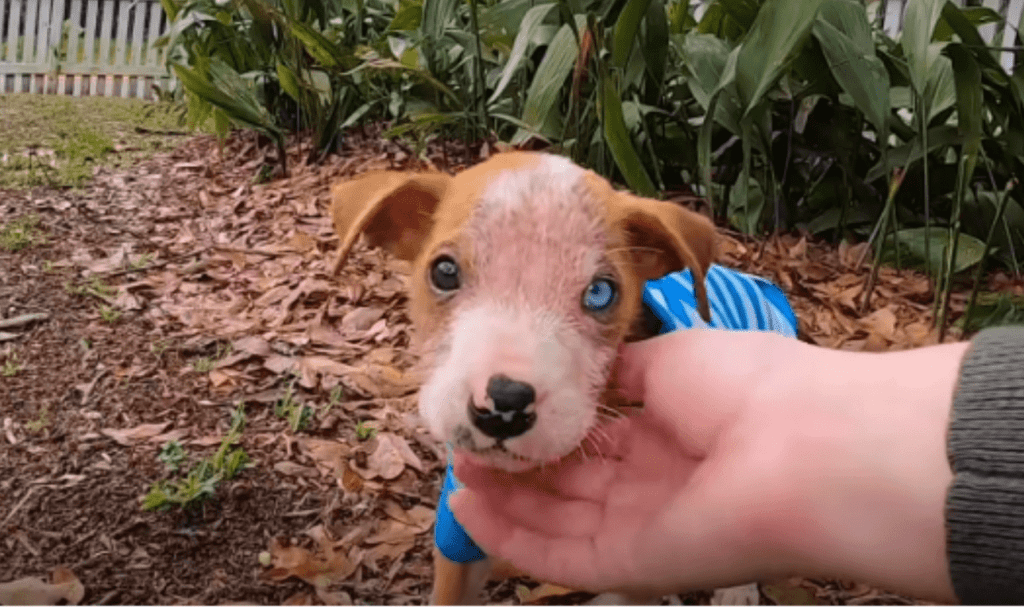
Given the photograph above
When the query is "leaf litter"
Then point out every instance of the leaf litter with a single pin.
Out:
(226, 297)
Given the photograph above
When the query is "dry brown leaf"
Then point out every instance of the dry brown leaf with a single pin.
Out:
(318, 569)
(301, 242)
(255, 345)
(386, 461)
(361, 319)
(294, 470)
(394, 532)
(540, 593)
(327, 336)
(882, 322)
(420, 517)
(388, 552)
(406, 452)
(170, 435)
(321, 365)
(30, 591)
(129, 436)
(279, 364)
(350, 480)
(329, 456)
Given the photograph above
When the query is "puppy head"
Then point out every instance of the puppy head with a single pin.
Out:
(528, 273)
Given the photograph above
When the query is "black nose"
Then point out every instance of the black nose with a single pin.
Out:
(509, 418)
(509, 394)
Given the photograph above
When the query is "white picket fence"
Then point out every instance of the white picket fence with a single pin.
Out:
(82, 47)
(105, 47)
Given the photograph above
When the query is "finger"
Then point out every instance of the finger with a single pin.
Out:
(570, 562)
(576, 477)
(538, 510)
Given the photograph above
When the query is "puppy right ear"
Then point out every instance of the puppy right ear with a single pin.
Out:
(394, 209)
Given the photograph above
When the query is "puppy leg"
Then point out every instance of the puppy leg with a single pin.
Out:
(458, 584)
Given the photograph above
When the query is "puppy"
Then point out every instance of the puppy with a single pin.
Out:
(527, 274)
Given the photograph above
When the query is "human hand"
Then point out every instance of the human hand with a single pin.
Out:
(755, 456)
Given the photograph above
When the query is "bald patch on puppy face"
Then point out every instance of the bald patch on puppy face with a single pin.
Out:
(555, 177)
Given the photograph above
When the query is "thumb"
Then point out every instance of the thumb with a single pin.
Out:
(639, 362)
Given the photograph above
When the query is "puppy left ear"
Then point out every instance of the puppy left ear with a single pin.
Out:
(664, 237)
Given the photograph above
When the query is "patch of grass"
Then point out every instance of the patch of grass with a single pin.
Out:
(41, 421)
(337, 394)
(21, 233)
(12, 365)
(140, 262)
(59, 140)
(205, 364)
(295, 413)
(95, 287)
(159, 346)
(109, 314)
(364, 431)
(199, 484)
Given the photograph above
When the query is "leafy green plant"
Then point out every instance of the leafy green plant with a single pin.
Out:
(205, 364)
(784, 115)
(12, 365)
(95, 287)
(364, 431)
(172, 455)
(40, 422)
(21, 233)
(200, 483)
(293, 411)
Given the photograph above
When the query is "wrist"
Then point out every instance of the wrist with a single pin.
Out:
(862, 471)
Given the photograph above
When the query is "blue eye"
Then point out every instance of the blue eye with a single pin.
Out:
(599, 295)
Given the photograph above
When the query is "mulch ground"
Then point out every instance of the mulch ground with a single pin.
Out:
(173, 293)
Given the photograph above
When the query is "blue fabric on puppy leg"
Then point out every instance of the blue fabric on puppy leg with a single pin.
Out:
(453, 541)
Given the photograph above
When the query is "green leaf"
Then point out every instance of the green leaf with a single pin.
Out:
(969, 102)
(229, 94)
(746, 204)
(171, 8)
(940, 87)
(774, 39)
(626, 28)
(289, 82)
(534, 17)
(909, 153)
(918, 27)
(620, 144)
(655, 47)
(549, 80)
(862, 75)
(328, 54)
(408, 17)
(970, 249)
(706, 57)
(704, 160)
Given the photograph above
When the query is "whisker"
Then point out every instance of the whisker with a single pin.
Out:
(633, 249)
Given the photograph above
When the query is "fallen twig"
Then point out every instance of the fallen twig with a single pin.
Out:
(23, 320)
(151, 266)
(17, 506)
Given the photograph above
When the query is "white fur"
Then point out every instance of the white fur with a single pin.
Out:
(531, 346)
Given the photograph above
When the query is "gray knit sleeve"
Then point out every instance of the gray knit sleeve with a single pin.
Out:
(985, 504)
